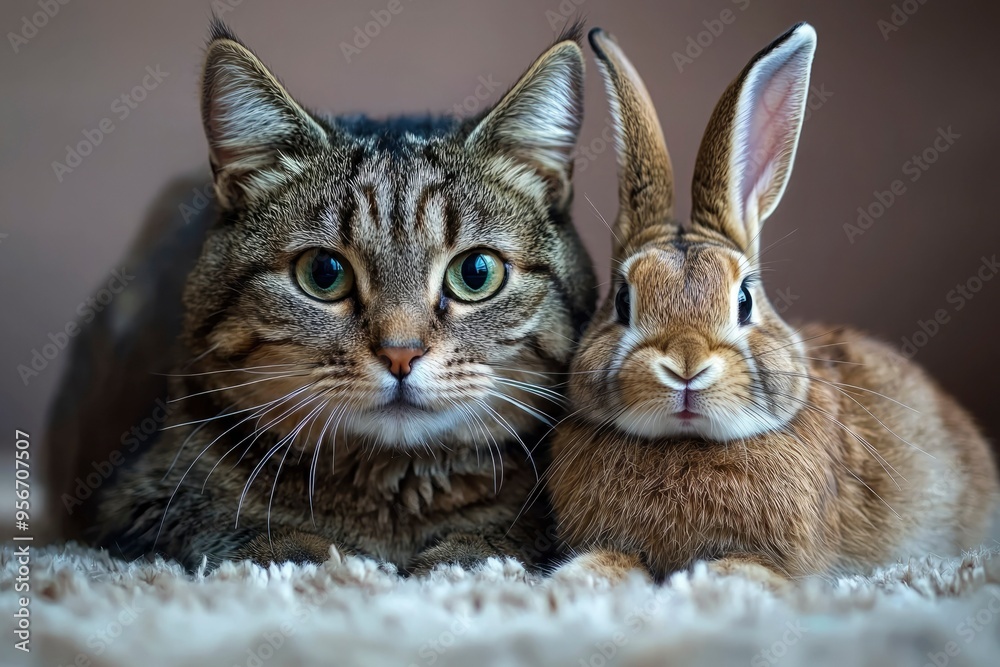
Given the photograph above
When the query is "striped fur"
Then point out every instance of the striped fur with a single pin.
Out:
(291, 436)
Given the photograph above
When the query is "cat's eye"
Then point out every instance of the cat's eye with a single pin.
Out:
(744, 304)
(324, 275)
(623, 304)
(475, 275)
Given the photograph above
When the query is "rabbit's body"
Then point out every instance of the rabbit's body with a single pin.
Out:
(811, 498)
(702, 425)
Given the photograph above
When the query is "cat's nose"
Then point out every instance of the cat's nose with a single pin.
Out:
(399, 360)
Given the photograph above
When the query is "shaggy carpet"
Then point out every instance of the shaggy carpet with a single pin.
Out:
(91, 610)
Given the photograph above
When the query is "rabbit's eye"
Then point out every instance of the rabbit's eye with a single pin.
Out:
(623, 304)
(745, 305)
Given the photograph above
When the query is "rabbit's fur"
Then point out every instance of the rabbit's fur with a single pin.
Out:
(703, 429)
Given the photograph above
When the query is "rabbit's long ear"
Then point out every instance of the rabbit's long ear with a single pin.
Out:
(746, 156)
(645, 176)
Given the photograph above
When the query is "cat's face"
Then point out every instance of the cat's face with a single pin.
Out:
(404, 283)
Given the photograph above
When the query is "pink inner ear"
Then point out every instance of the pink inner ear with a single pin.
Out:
(767, 125)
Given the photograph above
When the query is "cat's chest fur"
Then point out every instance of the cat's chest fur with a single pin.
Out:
(384, 504)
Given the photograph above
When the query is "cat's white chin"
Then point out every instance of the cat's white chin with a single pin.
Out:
(406, 427)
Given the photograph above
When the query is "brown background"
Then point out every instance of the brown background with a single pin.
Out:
(889, 97)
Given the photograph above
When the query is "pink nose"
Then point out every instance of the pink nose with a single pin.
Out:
(399, 360)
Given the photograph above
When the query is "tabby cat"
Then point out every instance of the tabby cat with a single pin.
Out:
(371, 333)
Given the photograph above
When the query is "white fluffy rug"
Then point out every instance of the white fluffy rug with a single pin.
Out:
(91, 610)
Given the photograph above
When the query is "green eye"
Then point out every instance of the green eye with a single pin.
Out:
(324, 275)
(475, 275)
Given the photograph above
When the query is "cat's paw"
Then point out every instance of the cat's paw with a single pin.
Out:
(293, 546)
(601, 566)
(462, 550)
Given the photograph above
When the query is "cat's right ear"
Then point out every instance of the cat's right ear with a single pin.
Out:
(256, 132)
(538, 121)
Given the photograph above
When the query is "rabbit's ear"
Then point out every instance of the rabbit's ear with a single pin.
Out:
(645, 176)
(746, 156)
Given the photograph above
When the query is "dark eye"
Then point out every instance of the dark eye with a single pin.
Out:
(324, 275)
(475, 275)
(623, 304)
(745, 304)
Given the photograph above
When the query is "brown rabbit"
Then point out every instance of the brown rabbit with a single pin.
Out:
(705, 427)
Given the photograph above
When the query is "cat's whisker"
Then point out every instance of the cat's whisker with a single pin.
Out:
(261, 430)
(315, 457)
(257, 431)
(604, 220)
(248, 369)
(188, 439)
(573, 453)
(291, 442)
(196, 359)
(487, 439)
(236, 386)
(535, 389)
(190, 467)
(289, 438)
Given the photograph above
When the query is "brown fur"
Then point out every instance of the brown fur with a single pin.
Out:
(290, 434)
(806, 457)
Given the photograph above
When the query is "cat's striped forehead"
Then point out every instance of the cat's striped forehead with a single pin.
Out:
(403, 211)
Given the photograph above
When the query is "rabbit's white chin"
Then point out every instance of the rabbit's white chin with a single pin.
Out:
(720, 428)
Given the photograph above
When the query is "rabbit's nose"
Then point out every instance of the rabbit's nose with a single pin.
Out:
(680, 376)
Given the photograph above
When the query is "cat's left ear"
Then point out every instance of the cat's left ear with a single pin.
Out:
(537, 122)
(256, 132)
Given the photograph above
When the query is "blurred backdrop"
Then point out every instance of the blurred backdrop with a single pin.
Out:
(889, 222)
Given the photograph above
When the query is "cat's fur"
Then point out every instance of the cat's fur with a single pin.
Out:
(233, 476)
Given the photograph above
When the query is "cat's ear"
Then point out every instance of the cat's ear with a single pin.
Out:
(537, 122)
(256, 132)
(746, 156)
